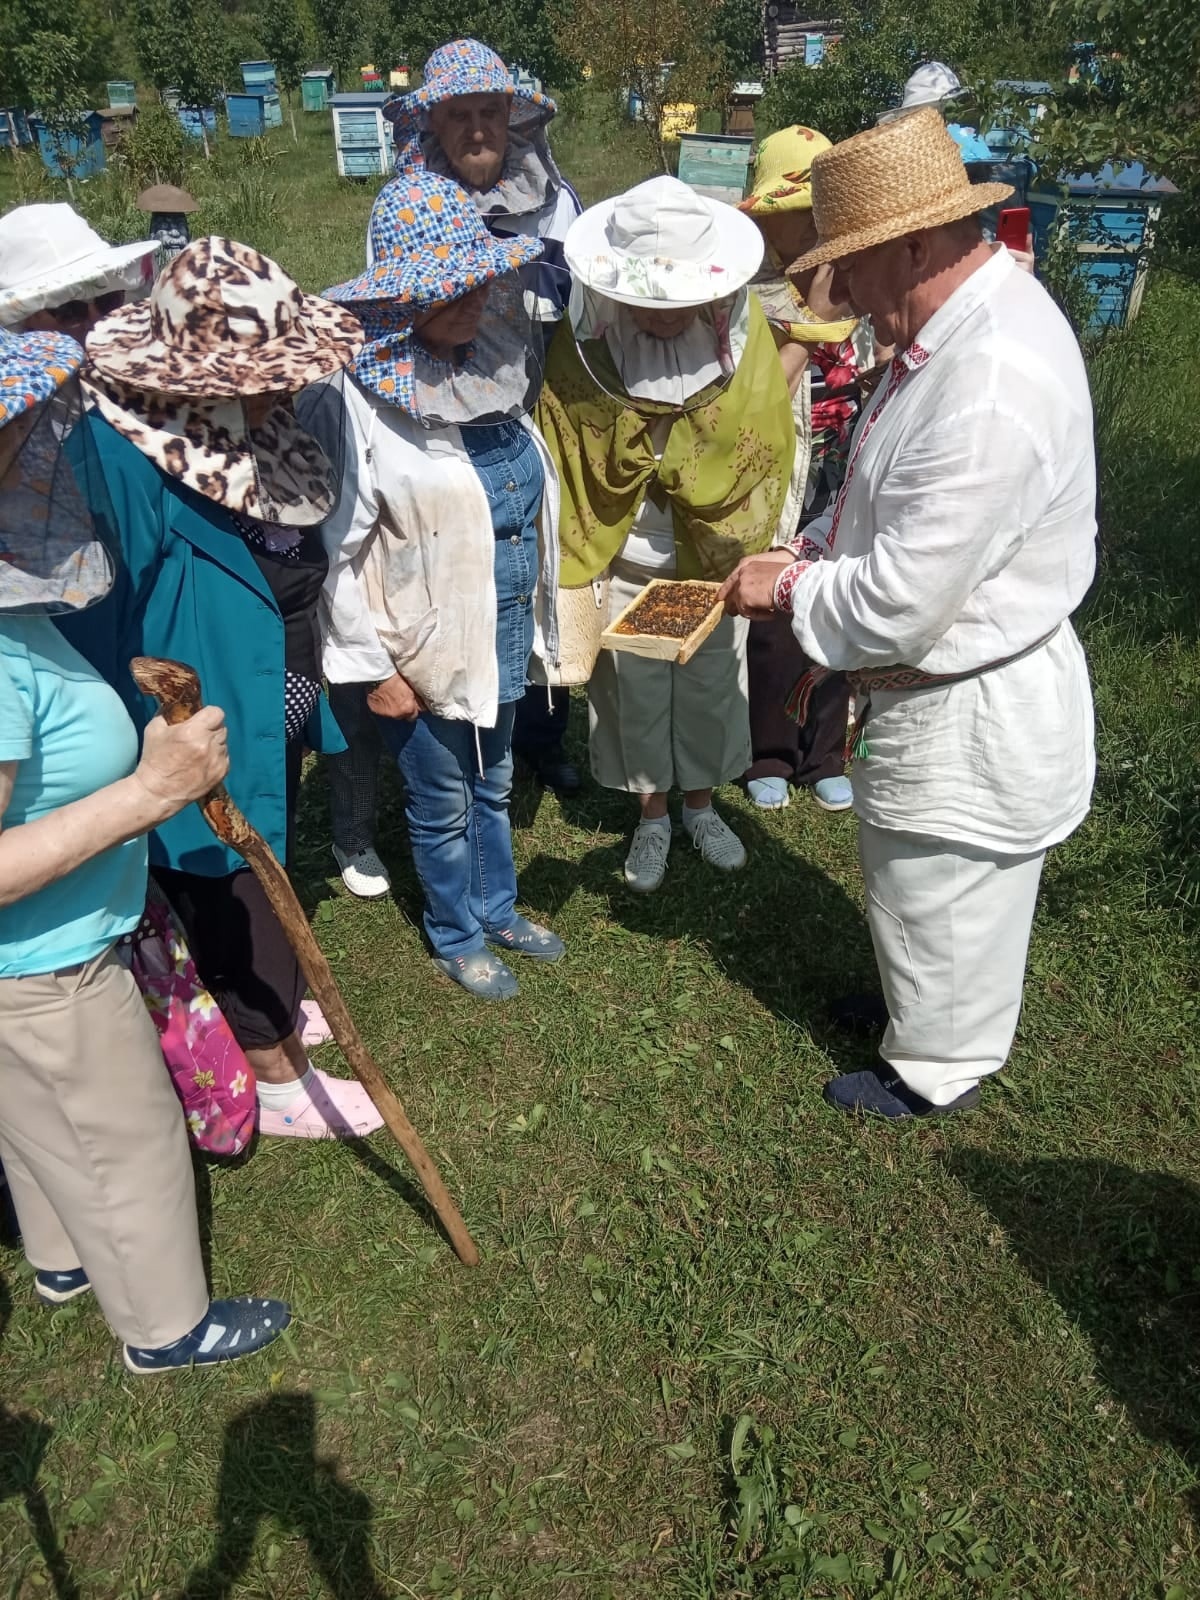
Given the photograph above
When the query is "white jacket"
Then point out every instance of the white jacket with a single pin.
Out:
(411, 585)
(966, 535)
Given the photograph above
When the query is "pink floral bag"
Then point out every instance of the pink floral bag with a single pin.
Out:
(211, 1075)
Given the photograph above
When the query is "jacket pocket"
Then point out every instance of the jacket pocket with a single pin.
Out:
(405, 638)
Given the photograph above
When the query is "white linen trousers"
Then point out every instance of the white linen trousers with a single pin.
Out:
(950, 924)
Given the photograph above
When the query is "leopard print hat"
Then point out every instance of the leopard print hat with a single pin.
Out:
(223, 320)
(170, 374)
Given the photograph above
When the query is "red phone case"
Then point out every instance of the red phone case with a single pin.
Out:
(1012, 228)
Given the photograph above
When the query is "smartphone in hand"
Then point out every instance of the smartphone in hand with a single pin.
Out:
(1012, 228)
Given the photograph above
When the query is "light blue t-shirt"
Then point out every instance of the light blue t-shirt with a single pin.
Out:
(70, 735)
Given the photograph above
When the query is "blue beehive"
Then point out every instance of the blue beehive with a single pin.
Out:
(1109, 217)
(75, 154)
(260, 77)
(192, 119)
(247, 115)
(361, 136)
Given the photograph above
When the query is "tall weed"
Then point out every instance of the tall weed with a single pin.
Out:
(245, 206)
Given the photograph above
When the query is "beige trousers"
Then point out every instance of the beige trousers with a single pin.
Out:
(655, 726)
(93, 1141)
(950, 925)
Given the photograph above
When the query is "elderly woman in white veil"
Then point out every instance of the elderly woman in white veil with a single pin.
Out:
(668, 416)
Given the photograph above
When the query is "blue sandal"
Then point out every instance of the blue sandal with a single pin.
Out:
(525, 938)
(228, 1330)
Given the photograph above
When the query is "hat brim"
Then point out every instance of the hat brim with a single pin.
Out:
(121, 346)
(777, 201)
(592, 260)
(423, 280)
(965, 203)
(37, 368)
(76, 280)
(526, 107)
(165, 198)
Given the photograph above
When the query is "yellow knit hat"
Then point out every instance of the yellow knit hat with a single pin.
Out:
(782, 171)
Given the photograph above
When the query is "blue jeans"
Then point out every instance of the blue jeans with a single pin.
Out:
(458, 823)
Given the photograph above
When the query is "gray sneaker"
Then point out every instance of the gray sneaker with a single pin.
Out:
(716, 841)
(646, 863)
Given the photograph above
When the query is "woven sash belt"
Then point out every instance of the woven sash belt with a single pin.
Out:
(899, 679)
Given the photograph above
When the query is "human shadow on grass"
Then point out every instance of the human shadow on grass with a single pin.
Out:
(1117, 1250)
(24, 1441)
(270, 1469)
(781, 927)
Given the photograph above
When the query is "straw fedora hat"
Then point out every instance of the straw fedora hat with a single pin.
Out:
(899, 178)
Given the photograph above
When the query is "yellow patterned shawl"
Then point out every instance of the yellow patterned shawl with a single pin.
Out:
(724, 470)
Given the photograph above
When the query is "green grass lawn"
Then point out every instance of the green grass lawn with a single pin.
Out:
(723, 1343)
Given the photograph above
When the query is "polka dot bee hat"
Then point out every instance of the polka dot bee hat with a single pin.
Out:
(465, 66)
(34, 366)
(429, 248)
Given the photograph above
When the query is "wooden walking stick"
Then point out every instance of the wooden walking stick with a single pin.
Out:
(177, 690)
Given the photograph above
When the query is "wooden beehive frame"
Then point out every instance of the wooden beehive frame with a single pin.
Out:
(658, 646)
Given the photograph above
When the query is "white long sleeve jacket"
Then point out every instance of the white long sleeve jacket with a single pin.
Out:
(411, 585)
(967, 533)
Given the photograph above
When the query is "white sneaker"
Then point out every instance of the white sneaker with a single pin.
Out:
(717, 843)
(363, 873)
(646, 863)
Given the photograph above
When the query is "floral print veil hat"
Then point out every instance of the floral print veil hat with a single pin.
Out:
(662, 244)
(529, 179)
(429, 248)
(53, 556)
(783, 171)
(465, 66)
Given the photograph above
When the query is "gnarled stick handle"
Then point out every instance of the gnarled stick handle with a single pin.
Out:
(177, 689)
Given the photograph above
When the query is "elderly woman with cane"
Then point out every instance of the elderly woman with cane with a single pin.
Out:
(91, 1134)
(218, 493)
(443, 559)
(668, 416)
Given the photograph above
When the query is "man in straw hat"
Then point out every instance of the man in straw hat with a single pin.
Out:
(943, 581)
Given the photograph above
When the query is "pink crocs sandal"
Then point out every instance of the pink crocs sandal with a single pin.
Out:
(335, 1108)
(314, 1029)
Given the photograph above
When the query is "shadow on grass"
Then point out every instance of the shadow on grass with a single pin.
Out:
(23, 1444)
(270, 1468)
(781, 927)
(1117, 1250)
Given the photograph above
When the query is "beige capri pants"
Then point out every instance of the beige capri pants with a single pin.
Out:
(654, 726)
(93, 1141)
